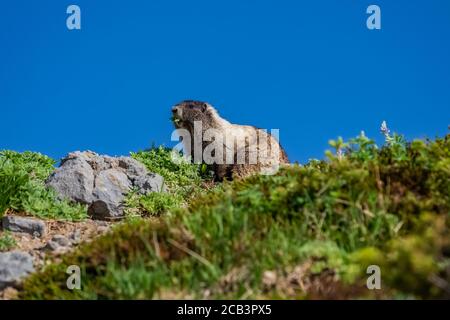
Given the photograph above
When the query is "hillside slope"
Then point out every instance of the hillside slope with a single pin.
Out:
(308, 232)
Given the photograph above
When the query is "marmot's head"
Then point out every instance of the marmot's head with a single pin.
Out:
(185, 113)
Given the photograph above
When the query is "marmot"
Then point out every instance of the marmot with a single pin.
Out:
(234, 151)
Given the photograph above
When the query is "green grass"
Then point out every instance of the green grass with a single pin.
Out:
(7, 242)
(183, 180)
(315, 228)
(22, 187)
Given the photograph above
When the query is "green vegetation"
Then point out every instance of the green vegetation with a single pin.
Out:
(22, 187)
(23, 175)
(308, 232)
(7, 242)
(183, 180)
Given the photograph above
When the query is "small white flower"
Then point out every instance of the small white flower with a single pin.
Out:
(384, 128)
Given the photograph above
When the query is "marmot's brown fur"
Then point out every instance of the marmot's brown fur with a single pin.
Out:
(269, 152)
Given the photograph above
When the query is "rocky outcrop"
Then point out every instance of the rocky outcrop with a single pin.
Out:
(102, 182)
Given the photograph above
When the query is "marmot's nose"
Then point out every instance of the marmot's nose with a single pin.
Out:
(174, 109)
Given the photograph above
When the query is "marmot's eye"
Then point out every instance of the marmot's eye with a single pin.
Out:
(191, 106)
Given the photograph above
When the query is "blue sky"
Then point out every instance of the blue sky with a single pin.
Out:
(310, 68)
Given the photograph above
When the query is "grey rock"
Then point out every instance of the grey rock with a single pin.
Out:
(52, 245)
(74, 180)
(151, 182)
(58, 242)
(102, 182)
(81, 155)
(14, 266)
(61, 240)
(111, 186)
(110, 162)
(22, 224)
(132, 167)
(99, 163)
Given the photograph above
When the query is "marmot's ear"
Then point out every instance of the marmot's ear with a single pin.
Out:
(204, 107)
